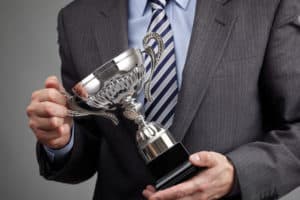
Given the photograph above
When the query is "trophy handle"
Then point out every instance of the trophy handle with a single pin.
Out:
(76, 111)
(155, 57)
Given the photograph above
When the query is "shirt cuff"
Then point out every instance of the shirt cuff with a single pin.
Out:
(57, 155)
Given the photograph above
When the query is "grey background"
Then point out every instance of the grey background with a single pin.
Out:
(28, 54)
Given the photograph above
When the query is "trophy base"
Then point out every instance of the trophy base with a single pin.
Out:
(172, 167)
(180, 174)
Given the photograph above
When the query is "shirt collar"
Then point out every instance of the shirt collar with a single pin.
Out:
(141, 5)
(183, 3)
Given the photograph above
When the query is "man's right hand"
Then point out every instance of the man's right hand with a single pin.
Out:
(47, 113)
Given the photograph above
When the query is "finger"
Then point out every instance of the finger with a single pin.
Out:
(147, 193)
(46, 124)
(201, 183)
(151, 188)
(47, 109)
(200, 196)
(62, 131)
(178, 191)
(53, 82)
(192, 197)
(46, 136)
(54, 139)
(51, 94)
(204, 159)
(57, 143)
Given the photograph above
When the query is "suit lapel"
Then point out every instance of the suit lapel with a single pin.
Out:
(212, 27)
(213, 24)
(111, 29)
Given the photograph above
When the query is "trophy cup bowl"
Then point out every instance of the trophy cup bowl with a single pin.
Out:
(116, 84)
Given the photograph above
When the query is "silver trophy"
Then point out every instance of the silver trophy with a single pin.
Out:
(117, 84)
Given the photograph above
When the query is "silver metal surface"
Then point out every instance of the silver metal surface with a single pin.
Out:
(155, 57)
(115, 85)
(109, 84)
(153, 140)
(129, 59)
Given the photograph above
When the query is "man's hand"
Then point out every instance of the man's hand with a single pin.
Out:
(47, 115)
(213, 183)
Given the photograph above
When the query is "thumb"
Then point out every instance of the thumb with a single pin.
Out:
(53, 82)
(203, 159)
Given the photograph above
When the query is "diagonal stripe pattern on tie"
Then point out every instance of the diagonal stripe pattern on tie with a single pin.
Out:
(164, 87)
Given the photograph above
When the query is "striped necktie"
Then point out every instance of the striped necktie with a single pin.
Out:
(164, 87)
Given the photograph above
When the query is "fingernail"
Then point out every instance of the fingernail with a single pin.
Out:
(53, 77)
(195, 157)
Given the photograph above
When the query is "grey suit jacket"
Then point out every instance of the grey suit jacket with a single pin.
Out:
(240, 95)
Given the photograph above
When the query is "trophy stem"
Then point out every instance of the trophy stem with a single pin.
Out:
(140, 121)
(132, 109)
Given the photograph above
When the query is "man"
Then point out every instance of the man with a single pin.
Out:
(236, 104)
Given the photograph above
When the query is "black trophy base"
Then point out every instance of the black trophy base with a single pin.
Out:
(172, 167)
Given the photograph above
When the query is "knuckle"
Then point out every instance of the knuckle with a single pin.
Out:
(34, 95)
(200, 188)
(29, 110)
(54, 122)
(49, 109)
(181, 194)
(63, 132)
(212, 158)
(203, 187)
(204, 156)
(31, 124)
(209, 155)
(197, 186)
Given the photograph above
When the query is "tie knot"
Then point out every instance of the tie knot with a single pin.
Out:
(158, 4)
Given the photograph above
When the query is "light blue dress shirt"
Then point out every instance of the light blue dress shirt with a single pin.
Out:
(181, 15)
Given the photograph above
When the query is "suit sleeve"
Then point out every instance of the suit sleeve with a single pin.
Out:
(270, 168)
(80, 164)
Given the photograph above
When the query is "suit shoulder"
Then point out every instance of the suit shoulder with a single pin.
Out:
(288, 6)
(257, 5)
(288, 9)
(256, 11)
(78, 12)
(73, 5)
(278, 11)
(78, 7)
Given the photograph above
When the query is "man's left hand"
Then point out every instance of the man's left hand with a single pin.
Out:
(212, 183)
